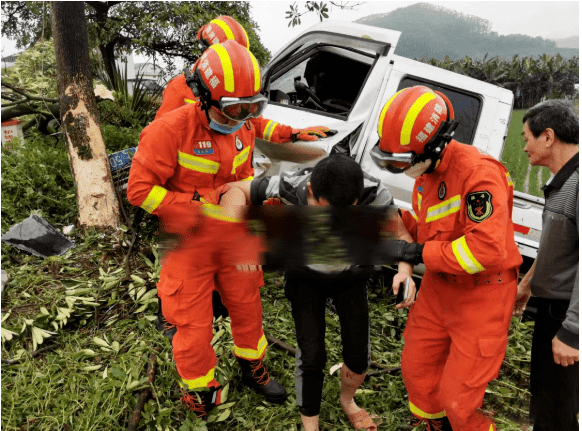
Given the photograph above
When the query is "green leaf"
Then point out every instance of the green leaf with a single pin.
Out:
(101, 342)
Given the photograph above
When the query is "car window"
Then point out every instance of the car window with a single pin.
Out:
(466, 107)
(325, 79)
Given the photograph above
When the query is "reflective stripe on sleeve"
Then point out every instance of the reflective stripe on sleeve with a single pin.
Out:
(240, 159)
(425, 415)
(465, 257)
(269, 129)
(251, 354)
(413, 214)
(218, 213)
(154, 199)
(189, 101)
(200, 382)
(443, 209)
(248, 178)
(509, 180)
(198, 164)
(419, 200)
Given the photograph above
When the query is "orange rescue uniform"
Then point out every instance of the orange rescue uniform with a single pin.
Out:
(456, 333)
(178, 157)
(177, 94)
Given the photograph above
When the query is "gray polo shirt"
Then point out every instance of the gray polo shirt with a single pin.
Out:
(556, 274)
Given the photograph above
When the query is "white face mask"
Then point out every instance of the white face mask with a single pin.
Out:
(418, 169)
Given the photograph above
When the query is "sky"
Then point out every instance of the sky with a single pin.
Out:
(548, 19)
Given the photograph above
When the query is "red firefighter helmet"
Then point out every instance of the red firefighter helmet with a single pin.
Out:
(228, 77)
(415, 125)
(220, 30)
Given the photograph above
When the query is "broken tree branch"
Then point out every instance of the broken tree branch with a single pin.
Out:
(28, 96)
(152, 365)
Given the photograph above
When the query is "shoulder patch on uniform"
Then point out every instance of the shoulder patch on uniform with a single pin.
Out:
(479, 206)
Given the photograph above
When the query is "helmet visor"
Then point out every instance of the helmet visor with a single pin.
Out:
(241, 109)
(392, 162)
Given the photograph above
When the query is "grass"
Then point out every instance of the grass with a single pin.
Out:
(92, 379)
(526, 178)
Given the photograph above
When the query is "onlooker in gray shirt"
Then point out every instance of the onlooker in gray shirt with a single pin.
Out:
(550, 131)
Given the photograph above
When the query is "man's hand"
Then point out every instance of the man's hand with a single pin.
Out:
(214, 196)
(523, 295)
(249, 268)
(401, 277)
(309, 133)
(563, 354)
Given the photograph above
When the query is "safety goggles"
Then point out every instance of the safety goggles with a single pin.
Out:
(241, 109)
(393, 162)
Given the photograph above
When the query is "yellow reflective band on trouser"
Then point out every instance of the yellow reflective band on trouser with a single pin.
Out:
(383, 113)
(269, 129)
(200, 382)
(248, 178)
(154, 199)
(240, 159)
(411, 116)
(443, 209)
(226, 66)
(257, 71)
(509, 180)
(465, 257)
(425, 415)
(189, 101)
(225, 28)
(250, 353)
(491, 428)
(218, 213)
(198, 164)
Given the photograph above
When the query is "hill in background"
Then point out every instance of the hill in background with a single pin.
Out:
(569, 42)
(433, 31)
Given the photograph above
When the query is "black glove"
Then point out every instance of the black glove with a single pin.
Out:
(409, 252)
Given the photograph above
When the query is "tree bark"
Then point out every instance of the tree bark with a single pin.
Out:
(96, 200)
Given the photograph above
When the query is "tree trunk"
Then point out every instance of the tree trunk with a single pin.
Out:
(96, 200)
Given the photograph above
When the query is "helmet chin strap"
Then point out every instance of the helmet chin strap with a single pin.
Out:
(434, 150)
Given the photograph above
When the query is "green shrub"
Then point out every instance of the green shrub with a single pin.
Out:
(119, 138)
(36, 176)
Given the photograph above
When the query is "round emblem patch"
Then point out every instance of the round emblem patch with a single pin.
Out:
(479, 206)
(442, 191)
(238, 143)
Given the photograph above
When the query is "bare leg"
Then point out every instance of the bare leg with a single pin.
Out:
(310, 423)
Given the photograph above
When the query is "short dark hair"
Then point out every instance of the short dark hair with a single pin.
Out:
(558, 115)
(338, 179)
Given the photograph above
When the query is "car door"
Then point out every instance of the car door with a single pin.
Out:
(323, 78)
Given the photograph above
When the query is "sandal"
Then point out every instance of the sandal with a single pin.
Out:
(361, 419)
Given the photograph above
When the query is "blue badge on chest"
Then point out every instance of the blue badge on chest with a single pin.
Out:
(203, 151)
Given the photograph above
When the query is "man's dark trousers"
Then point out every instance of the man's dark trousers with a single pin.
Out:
(307, 296)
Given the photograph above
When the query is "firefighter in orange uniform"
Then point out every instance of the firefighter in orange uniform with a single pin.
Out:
(189, 153)
(456, 333)
(178, 91)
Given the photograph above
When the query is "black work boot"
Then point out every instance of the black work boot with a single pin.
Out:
(202, 402)
(441, 424)
(256, 376)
